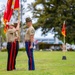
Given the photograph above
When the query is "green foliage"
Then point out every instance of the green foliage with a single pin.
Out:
(52, 13)
(4, 50)
(44, 46)
(22, 49)
(3, 35)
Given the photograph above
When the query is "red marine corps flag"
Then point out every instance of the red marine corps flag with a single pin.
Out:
(11, 6)
(64, 30)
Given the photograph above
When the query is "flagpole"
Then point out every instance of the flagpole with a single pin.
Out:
(64, 40)
(21, 23)
(64, 47)
(19, 14)
(21, 6)
(19, 20)
(18, 24)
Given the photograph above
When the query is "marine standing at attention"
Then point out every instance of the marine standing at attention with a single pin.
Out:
(29, 39)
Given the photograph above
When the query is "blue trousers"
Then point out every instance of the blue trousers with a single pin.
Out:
(29, 52)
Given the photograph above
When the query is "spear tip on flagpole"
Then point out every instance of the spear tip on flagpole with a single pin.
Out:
(64, 21)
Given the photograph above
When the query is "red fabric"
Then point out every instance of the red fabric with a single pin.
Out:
(64, 30)
(7, 16)
(16, 4)
(10, 62)
(9, 11)
(30, 56)
(14, 54)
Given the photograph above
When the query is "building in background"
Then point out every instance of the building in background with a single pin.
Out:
(48, 39)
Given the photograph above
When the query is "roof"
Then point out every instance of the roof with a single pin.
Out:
(48, 38)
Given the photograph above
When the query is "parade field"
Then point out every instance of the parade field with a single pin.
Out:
(46, 63)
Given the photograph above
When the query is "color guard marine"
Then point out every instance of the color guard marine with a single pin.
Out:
(12, 47)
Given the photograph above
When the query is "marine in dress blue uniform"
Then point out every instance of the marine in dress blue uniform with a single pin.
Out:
(29, 39)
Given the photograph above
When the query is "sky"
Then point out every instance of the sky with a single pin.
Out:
(3, 1)
(38, 34)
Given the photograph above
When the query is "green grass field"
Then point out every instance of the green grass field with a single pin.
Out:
(46, 63)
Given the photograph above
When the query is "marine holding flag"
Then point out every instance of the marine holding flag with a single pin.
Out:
(11, 47)
(11, 35)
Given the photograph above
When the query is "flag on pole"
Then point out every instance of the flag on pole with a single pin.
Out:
(16, 7)
(11, 6)
(7, 11)
(6, 14)
(64, 44)
(64, 30)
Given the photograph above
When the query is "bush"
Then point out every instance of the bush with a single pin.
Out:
(3, 50)
(21, 49)
(47, 47)
(44, 46)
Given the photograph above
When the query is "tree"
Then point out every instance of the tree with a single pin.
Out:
(52, 13)
(2, 35)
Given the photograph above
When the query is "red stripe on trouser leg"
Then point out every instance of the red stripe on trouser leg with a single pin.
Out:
(30, 63)
(14, 54)
(12, 57)
(28, 54)
(10, 60)
(30, 59)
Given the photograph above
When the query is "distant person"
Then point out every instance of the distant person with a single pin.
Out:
(29, 39)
